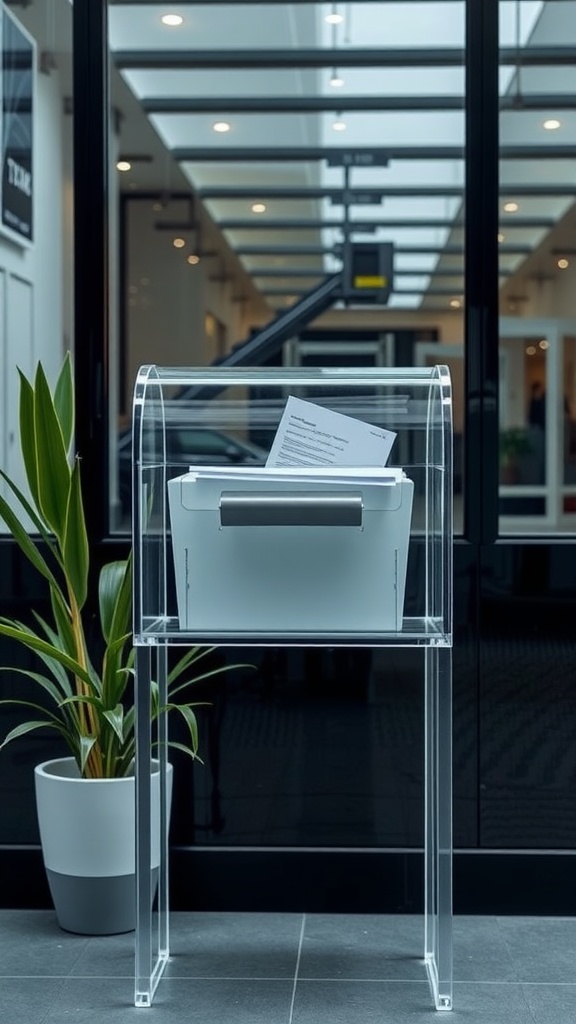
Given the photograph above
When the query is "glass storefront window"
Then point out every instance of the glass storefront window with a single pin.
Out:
(245, 173)
(537, 269)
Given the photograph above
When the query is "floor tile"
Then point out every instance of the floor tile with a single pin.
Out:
(551, 1004)
(234, 945)
(28, 1000)
(88, 1001)
(486, 1003)
(543, 949)
(480, 951)
(362, 947)
(37, 945)
(361, 1002)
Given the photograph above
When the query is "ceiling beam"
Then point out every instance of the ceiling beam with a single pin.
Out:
(287, 274)
(250, 60)
(239, 3)
(258, 223)
(321, 250)
(281, 154)
(358, 195)
(328, 103)
(424, 292)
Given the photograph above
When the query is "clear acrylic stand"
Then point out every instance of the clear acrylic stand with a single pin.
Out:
(416, 403)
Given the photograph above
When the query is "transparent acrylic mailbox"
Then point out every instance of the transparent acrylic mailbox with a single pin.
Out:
(230, 550)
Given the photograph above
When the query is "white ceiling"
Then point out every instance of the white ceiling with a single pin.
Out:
(215, 27)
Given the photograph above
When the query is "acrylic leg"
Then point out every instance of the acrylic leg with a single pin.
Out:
(152, 945)
(438, 823)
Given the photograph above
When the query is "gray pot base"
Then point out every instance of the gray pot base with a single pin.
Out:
(95, 906)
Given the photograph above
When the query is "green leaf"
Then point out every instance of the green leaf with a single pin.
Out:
(57, 670)
(35, 643)
(64, 401)
(116, 719)
(114, 675)
(75, 546)
(28, 436)
(51, 456)
(52, 689)
(61, 613)
(86, 744)
(190, 718)
(114, 600)
(26, 727)
(25, 543)
(122, 617)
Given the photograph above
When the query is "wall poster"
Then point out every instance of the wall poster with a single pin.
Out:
(17, 92)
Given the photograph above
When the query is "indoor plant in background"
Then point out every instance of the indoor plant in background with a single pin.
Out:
(84, 692)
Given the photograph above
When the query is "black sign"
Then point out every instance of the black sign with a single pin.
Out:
(17, 121)
(359, 158)
(355, 198)
(368, 272)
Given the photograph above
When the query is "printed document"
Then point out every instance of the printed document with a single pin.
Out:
(310, 435)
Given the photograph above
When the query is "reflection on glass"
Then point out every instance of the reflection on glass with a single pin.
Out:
(265, 208)
(536, 232)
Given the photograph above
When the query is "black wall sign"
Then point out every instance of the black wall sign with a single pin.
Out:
(18, 51)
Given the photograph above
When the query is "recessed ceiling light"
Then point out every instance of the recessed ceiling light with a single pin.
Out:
(123, 165)
(563, 263)
(531, 350)
(339, 125)
(178, 243)
(334, 18)
(221, 126)
(501, 237)
(455, 303)
(258, 207)
(511, 207)
(544, 344)
(193, 259)
(551, 124)
(172, 19)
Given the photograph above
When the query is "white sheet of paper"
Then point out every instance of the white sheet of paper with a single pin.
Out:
(310, 435)
(358, 475)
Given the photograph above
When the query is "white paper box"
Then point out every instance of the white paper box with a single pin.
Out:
(254, 554)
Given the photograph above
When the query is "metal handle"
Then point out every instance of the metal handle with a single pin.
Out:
(300, 508)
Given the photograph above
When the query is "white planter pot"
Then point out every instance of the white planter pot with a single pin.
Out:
(88, 836)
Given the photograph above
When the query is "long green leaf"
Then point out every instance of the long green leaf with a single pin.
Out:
(75, 545)
(116, 719)
(52, 689)
(28, 436)
(121, 620)
(41, 646)
(86, 744)
(64, 401)
(206, 675)
(62, 619)
(26, 727)
(57, 670)
(53, 469)
(111, 587)
(114, 674)
(25, 543)
(191, 656)
(190, 718)
(174, 745)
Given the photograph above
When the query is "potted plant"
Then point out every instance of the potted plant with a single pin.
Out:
(514, 443)
(85, 801)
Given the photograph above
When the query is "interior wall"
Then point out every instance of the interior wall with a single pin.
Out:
(37, 306)
(169, 302)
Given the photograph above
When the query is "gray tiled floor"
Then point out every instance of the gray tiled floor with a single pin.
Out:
(290, 969)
